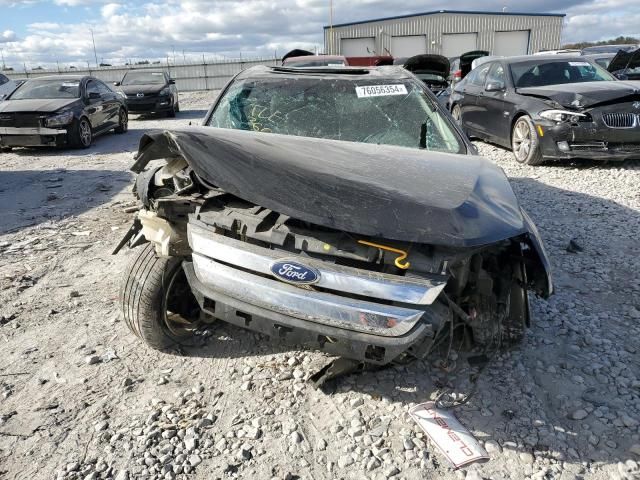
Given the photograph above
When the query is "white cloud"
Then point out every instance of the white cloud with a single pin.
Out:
(109, 9)
(7, 36)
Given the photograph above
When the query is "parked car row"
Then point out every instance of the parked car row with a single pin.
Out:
(70, 110)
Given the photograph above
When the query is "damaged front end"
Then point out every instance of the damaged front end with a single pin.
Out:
(343, 253)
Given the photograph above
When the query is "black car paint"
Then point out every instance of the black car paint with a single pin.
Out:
(490, 115)
(101, 109)
(146, 98)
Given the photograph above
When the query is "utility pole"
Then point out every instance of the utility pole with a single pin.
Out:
(2, 54)
(95, 54)
(330, 27)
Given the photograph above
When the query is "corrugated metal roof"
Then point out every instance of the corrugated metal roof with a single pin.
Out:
(463, 12)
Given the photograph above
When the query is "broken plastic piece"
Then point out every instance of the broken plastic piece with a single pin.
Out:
(453, 440)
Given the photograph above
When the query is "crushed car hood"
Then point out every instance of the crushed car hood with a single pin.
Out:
(152, 88)
(585, 94)
(427, 63)
(395, 193)
(624, 60)
(36, 105)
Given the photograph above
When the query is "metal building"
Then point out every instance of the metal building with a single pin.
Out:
(446, 32)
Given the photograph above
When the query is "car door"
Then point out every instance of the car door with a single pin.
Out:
(472, 89)
(95, 107)
(491, 103)
(110, 103)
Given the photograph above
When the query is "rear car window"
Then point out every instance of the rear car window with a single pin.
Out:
(387, 111)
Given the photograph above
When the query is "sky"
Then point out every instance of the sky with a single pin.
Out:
(43, 32)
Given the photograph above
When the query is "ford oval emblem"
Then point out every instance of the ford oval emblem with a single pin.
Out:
(294, 272)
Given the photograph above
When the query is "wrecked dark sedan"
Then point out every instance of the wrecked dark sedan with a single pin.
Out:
(147, 91)
(550, 108)
(337, 208)
(60, 110)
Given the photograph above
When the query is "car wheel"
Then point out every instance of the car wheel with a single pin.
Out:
(456, 113)
(157, 302)
(525, 143)
(172, 113)
(123, 122)
(81, 134)
(177, 109)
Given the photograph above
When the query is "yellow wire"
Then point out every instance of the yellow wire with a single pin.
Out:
(399, 261)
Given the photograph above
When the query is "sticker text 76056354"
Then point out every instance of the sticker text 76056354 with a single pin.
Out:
(380, 90)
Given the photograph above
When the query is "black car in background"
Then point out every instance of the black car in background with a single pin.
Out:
(148, 91)
(3, 79)
(550, 108)
(60, 110)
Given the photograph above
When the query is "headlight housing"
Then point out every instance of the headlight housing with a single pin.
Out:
(59, 119)
(564, 116)
(165, 91)
(121, 93)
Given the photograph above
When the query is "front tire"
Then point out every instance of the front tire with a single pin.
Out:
(525, 143)
(81, 134)
(123, 122)
(157, 302)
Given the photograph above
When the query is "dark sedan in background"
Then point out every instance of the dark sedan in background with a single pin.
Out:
(550, 108)
(60, 110)
(148, 91)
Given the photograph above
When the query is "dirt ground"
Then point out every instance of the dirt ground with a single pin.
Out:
(81, 397)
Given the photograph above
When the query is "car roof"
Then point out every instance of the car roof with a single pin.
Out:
(351, 73)
(316, 57)
(145, 70)
(549, 57)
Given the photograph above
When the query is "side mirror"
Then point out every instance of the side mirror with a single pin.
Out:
(94, 96)
(172, 81)
(116, 84)
(495, 87)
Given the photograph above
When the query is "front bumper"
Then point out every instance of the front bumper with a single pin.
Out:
(589, 141)
(228, 279)
(149, 104)
(32, 137)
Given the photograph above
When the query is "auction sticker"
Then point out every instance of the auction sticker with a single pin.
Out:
(453, 440)
(580, 64)
(380, 90)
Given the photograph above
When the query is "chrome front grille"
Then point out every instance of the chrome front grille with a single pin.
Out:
(346, 297)
(620, 120)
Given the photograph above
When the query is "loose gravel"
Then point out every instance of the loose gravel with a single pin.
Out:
(81, 398)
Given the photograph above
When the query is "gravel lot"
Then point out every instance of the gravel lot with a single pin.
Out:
(81, 398)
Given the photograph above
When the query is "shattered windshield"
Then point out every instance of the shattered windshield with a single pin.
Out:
(47, 89)
(382, 111)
